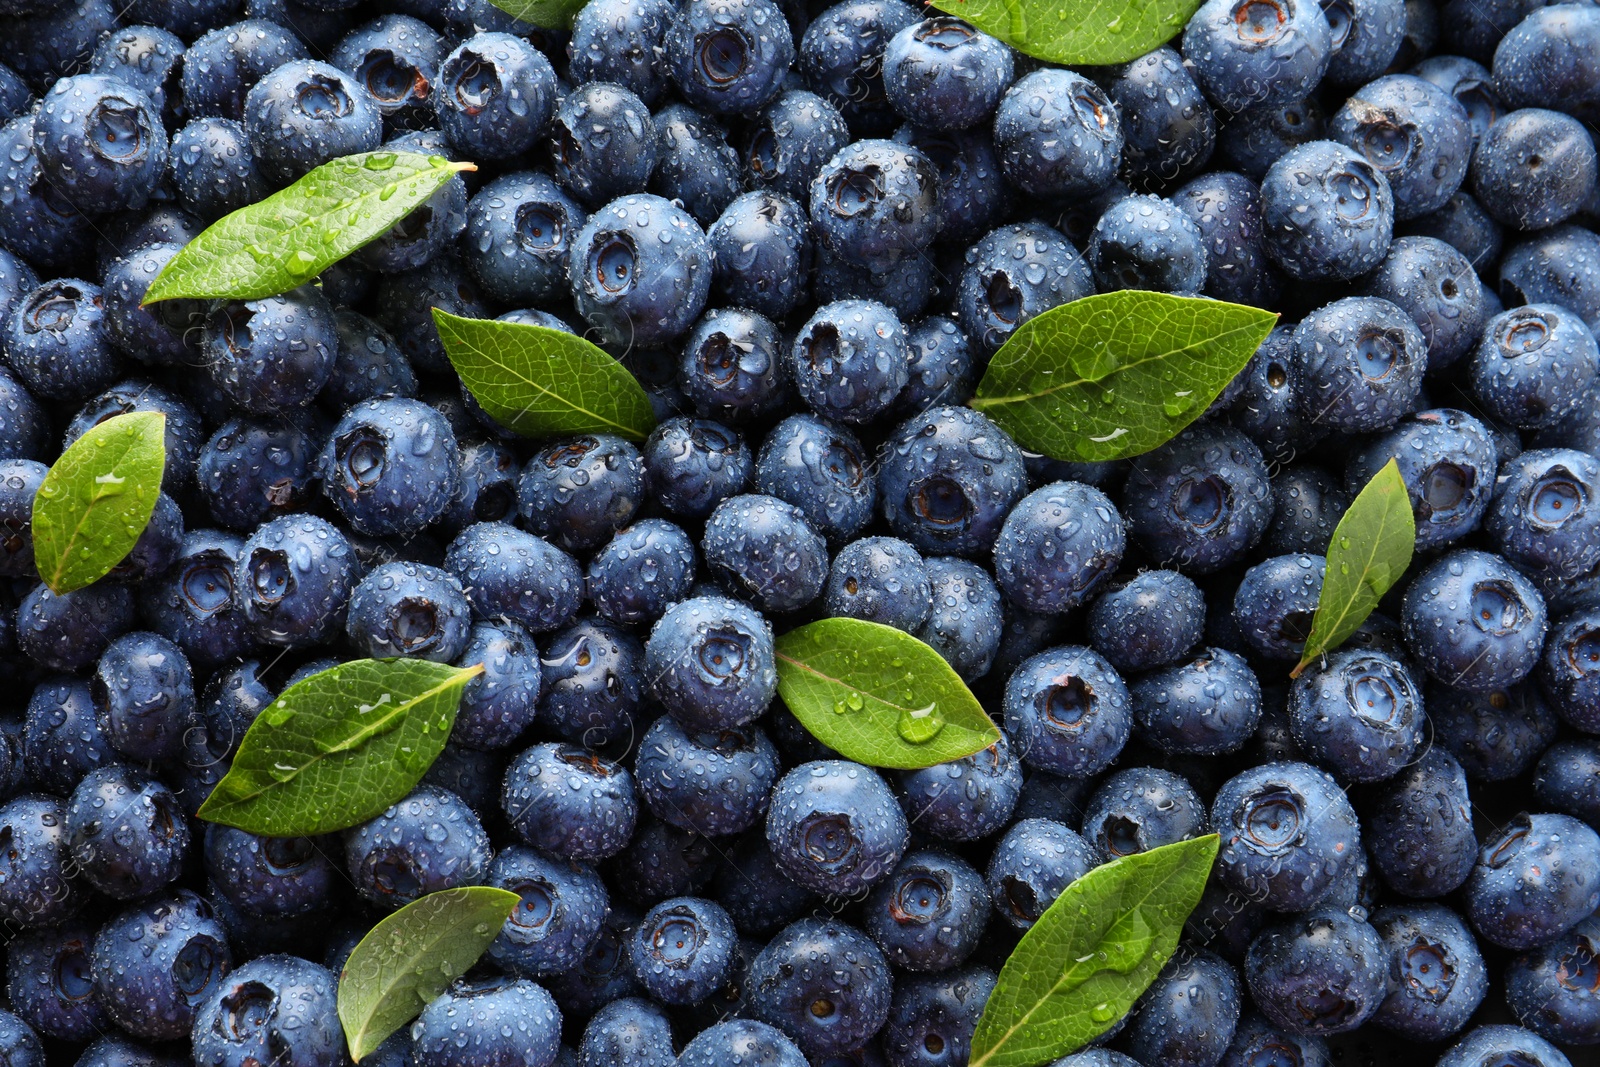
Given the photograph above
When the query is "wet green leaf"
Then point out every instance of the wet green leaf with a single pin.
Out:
(879, 696)
(339, 747)
(542, 382)
(410, 957)
(546, 14)
(1077, 32)
(1370, 550)
(1117, 374)
(289, 238)
(1091, 954)
(97, 499)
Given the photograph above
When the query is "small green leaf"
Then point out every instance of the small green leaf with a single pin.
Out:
(1091, 954)
(97, 499)
(289, 238)
(1077, 32)
(339, 747)
(410, 957)
(545, 14)
(1115, 375)
(879, 696)
(542, 382)
(1370, 550)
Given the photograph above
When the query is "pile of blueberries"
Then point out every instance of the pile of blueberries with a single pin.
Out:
(806, 229)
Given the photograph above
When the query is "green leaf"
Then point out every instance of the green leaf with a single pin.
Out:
(1077, 32)
(1091, 954)
(1370, 550)
(545, 14)
(879, 696)
(1115, 375)
(410, 957)
(542, 382)
(289, 238)
(339, 747)
(97, 499)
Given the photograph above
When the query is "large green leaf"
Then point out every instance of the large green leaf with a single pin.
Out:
(1077, 32)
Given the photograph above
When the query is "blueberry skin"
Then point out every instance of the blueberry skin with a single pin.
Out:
(1151, 621)
(222, 65)
(268, 877)
(1168, 127)
(882, 580)
(711, 663)
(822, 470)
(69, 632)
(1415, 133)
(409, 609)
(947, 479)
(1068, 711)
(143, 692)
(1188, 1015)
(965, 799)
(1488, 1044)
(159, 335)
(998, 292)
(967, 618)
(1288, 834)
(49, 983)
(100, 142)
(663, 861)
(1534, 881)
(822, 983)
(692, 465)
(61, 738)
(518, 237)
(729, 56)
(945, 74)
(274, 1008)
(630, 1032)
(640, 271)
(623, 42)
(157, 964)
(502, 1020)
(850, 360)
(55, 342)
(762, 248)
(1032, 864)
(1208, 706)
(1201, 501)
(494, 96)
(1569, 672)
(1436, 973)
(1258, 1043)
(38, 225)
(273, 354)
(1096, 1057)
(580, 491)
(1319, 973)
(1555, 266)
(593, 682)
(304, 114)
(603, 143)
(733, 364)
(1226, 208)
(113, 1050)
(40, 887)
(1057, 546)
(1358, 713)
(742, 1041)
(1358, 364)
(489, 471)
(583, 825)
(1435, 284)
(682, 950)
(1272, 55)
(1140, 808)
(788, 143)
(1419, 826)
(1473, 622)
(427, 841)
(1567, 779)
(19, 484)
(710, 783)
(1275, 602)
(763, 549)
(932, 1018)
(1058, 135)
(1548, 59)
(835, 827)
(697, 167)
(559, 917)
(930, 913)
(641, 571)
(395, 58)
(941, 369)
(1327, 213)
(252, 470)
(125, 832)
(876, 203)
(500, 703)
(1146, 242)
(296, 573)
(1496, 734)
(841, 58)
(23, 423)
(1545, 991)
(195, 603)
(1543, 520)
(391, 466)
(1534, 364)
(1534, 168)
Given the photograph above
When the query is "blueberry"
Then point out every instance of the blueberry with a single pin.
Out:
(929, 914)
(880, 579)
(788, 143)
(823, 983)
(100, 142)
(500, 703)
(742, 1041)
(1464, 225)
(1412, 131)
(604, 143)
(1555, 266)
(214, 168)
(518, 237)
(944, 74)
(159, 335)
(1168, 127)
(1258, 1043)
(304, 114)
(1288, 833)
(1058, 135)
(1366, 35)
(1147, 242)
(1327, 213)
(1226, 208)
(941, 369)
(395, 58)
(36, 222)
(1567, 777)
(50, 984)
(875, 203)
(1496, 733)
(947, 479)
(692, 465)
(1140, 808)
(391, 466)
(640, 270)
(409, 609)
(1208, 706)
(143, 692)
(157, 964)
(23, 423)
(697, 167)
(1149, 621)
(623, 42)
(1542, 519)
(965, 622)
(269, 877)
(584, 824)
(559, 917)
(489, 471)
(628, 1032)
(711, 783)
(1435, 284)
(195, 603)
(1534, 364)
(125, 832)
(1013, 274)
(1548, 59)
(1275, 601)
(253, 470)
(427, 841)
(580, 491)
(1473, 622)
(710, 662)
(1534, 880)
(224, 64)
(1201, 500)
(1419, 826)
(850, 360)
(1533, 168)
(1188, 1015)
(1547, 987)
(273, 1007)
(593, 674)
(19, 484)
(502, 1019)
(1437, 973)
(1358, 364)
(1319, 973)
(682, 949)
(113, 1050)
(643, 569)
(835, 827)
(1487, 1044)
(729, 56)
(762, 248)
(1068, 710)
(273, 354)
(965, 799)
(55, 341)
(663, 861)
(1358, 713)
(296, 573)
(183, 435)
(1254, 139)
(932, 1018)
(841, 57)
(40, 886)
(1247, 52)
(1032, 864)
(495, 96)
